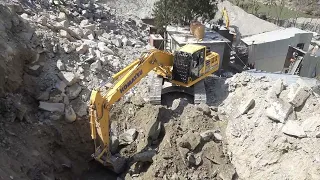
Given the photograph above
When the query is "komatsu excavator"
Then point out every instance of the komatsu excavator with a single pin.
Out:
(185, 68)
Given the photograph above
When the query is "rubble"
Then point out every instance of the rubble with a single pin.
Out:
(96, 66)
(277, 88)
(48, 51)
(190, 140)
(80, 107)
(44, 96)
(207, 135)
(311, 124)
(300, 97)
(68, 77)
(245, 107)
(127, 137)
(70, 115)
(60, 85)
(144, 156)
(260, 142)
(60, 65)
(217, 136)
(279, 110)
(81, 44)
(104, 49)
(82, 49)
(292, 128)
(74, 91)
(205, 108)
(52, 107)
(194, 159)
(69, 48)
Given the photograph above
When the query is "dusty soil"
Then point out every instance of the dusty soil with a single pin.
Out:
(35, 149)
(177, 117)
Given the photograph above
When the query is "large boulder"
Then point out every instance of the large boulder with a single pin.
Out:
(190, 140)
(128, 137)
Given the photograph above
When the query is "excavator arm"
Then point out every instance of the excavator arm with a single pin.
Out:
(226, 17)
(104, 97)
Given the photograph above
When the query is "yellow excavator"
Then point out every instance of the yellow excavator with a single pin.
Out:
(185, 68)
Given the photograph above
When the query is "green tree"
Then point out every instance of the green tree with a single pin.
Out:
(270, 4)
(280, 5)
(254, 5)
(182, 12)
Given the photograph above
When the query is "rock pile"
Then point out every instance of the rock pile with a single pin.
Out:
(276, 136)
(78, 46)
(170, 143)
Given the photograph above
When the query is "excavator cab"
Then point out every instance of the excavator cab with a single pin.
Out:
(192, 63)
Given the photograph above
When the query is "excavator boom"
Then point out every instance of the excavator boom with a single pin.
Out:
(226, 17)
(103, 98)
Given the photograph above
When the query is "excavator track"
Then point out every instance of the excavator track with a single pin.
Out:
(199, 91)
(155, 89)
(158, 87)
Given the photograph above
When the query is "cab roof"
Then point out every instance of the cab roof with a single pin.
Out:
(191, 48)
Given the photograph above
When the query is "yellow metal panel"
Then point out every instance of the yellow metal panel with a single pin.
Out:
(191, 48)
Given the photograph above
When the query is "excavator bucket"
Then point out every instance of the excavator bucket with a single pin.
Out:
(117, 164)
(114, 163)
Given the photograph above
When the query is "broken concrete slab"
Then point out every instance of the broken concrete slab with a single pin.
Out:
(42, 20)
(60, 65)
(52, 107)
(128, 137)
(117, 42)
(276, 88)
(96, 66)
(204, 108)
(300, 96)
(64, 23)
(211, 135)
(190, 140)
(293, 128)
(74, 91)
(207, 135)
(78, 32)
(104, 49)
(61, 86)
(68, 77)
(246, 106)
(69, 47)
(84, 22)
(65, 34)
(217, 136)
(44, 96)
(311, 124)
(62, 16)
(91, 36)
(145, 156)
(70, 115)
(91, 27)
(279, 110)
(126, 41)
(82, 49)
(194, 159)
